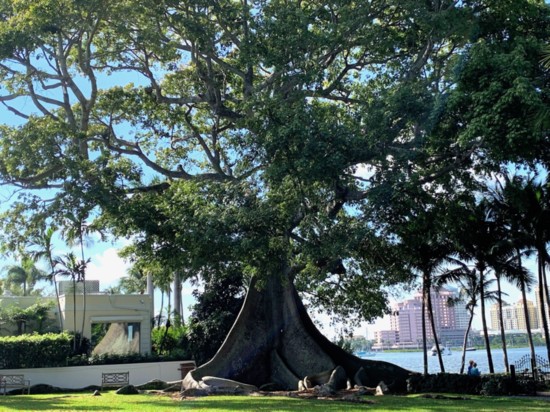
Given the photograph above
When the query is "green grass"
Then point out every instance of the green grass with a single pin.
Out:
(109, 401)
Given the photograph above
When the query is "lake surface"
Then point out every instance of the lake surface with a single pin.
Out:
(414, 360)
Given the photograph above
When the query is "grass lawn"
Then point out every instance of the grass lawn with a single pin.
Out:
(109, 401)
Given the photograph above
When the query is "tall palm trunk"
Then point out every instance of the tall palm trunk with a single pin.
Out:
(484, 322)
(74, 312)
(161, 306)
(424, 334)
(465, 342)
(501, 321)
(83, 291)
(543, 258)
(56, 287)
(178, 306)
(527, 321)
(434, 332)
(542, 299)
(59, 313)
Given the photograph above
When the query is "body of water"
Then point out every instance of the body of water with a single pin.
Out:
(414, 360)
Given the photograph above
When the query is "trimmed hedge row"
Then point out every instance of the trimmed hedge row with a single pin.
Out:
(56, 350)
(35, 351)
(498, 384)
(115, 359)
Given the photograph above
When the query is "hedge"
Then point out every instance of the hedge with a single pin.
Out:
(497, 384)
(56, 349)
(35, 351)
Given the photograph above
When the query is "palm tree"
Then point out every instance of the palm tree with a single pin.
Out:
(76, 233)
(471, 293)
(43, 243)
(135, 282)
(22, 278)
(524, 280)
(523, 205)
(70, 266)
(478, 239)
(501, 321)
(424, 242)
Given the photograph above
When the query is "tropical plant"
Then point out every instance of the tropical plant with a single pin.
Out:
(477, 240)
(41, 248)
(73, 268)
(21, 279)
(511, 202)
(470, 293)
(76, 232)
(426, 248)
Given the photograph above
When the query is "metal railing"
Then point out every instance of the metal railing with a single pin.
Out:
(536, 368)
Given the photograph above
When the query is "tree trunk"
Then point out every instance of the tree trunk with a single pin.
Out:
(274, 341)
(161, 307)
(526, 311)
(424, 334)
(434, 332)
(83, 290)
(74, 313)
(542, 299)
(178, 306)
(501, 320)
(527, 321)
(83, 309)
(484, 323)
(59, 312)
(465, 343)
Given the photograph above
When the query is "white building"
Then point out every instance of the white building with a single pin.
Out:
(113, 323)
(514, 316)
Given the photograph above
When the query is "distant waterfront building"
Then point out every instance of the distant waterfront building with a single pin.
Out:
(533, 315)
(514, 316)
(406, 321)
(386, 339)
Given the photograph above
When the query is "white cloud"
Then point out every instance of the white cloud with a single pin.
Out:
(107, 267)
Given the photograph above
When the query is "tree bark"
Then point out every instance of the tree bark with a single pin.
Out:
(465, 343)
(542, 299)
(178, 307)
(484, 322)
(434, 331)
(274, 341)
(501, 320)
(424, 334)
(523, 288)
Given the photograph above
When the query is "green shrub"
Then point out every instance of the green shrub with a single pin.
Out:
(112, 359)
(57, 349)
(168, 341)
(35, 351)
(444, 382)
(493, 385)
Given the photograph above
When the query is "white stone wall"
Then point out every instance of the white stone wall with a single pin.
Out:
(77, 377)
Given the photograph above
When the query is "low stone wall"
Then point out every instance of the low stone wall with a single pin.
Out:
(77, 377)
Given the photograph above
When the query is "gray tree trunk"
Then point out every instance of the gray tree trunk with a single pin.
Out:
(274, 341)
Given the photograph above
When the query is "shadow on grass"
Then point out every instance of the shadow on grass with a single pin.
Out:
(161, 403)
(88, 402)
(386, 403)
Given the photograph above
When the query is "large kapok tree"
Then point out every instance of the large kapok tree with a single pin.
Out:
(250, 135)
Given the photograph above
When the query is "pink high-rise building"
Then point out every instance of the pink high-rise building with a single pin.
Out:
(450, 319)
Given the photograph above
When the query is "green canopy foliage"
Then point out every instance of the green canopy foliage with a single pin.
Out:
(263, 136)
